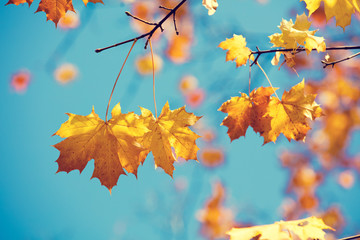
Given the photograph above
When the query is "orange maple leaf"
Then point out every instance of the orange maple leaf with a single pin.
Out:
(111, 144)
(308, 228)
(170, 130)
(271, 116)
(54, 9)
(246, 111)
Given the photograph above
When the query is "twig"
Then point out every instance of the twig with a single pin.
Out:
(302, 49)
(174, 19)
(139, 19)
(351, 237)
(338, 61)
(148, 34)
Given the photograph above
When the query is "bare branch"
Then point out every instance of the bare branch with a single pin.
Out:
(151, 32)
(139, 19)
(338, 61)
(351, 238)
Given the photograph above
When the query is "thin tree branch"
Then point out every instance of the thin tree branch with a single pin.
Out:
(351, 238)
(148, 34)
(174, 18)
(139, 19)
(162, 7)
(302, 49)
(338, 61)
(258, 53)
(257, 57)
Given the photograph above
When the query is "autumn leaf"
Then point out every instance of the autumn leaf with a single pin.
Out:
(291, 115)
(311, 227)
(111, 144)
(246, 111)
(238, 51)
(170, 130)
(210, 5)
(18, 2)
(296, 34)
(340, 9)
(54, 9)
(271, 116)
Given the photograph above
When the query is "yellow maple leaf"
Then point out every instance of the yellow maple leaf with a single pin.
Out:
(111, 144)
(340, 9)
(308, 228)
(238, 51)
(297, 34)
(54, 9)
(170, 130)
(291, 115)
(245, 111)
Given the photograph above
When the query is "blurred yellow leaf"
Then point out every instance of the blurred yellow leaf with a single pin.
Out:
(304, 229)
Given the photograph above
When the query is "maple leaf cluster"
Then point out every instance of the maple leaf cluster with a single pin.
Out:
(124, 141)
(295, 34)
(271, 116)
(340, 96)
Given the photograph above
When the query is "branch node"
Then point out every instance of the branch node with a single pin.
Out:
(162, 7)
(151, 32)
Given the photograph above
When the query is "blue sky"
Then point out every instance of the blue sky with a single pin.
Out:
(36, 203)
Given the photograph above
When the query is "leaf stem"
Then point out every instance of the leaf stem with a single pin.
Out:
(257, 63)
(117, 78)
(153, 68)
(249, 76)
